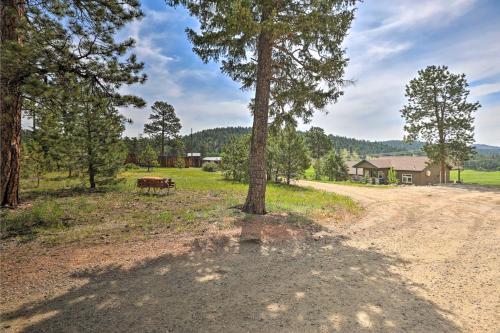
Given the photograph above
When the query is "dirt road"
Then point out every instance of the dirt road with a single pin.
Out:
(449, 238)
(419, 260)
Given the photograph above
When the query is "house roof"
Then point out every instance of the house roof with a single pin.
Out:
(405, 163)
(194, 154)
(213, 158)
(352, 169)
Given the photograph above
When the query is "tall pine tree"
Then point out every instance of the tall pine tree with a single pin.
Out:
(164, 124)
(42, 42)
(439, 114)
(288, 51)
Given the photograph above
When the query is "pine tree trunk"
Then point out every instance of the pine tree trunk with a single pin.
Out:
(91, 177)
(256, 199)
(10, 109)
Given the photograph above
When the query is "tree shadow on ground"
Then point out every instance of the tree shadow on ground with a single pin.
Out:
(231, 285)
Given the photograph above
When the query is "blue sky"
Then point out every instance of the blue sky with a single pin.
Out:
(388, 43)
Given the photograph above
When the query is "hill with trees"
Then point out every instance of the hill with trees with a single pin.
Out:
(209, 142)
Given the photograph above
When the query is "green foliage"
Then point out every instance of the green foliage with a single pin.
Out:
(46, 215)
(180, 162)
(392, 176)
(484, 162)
(318, 169)
(70, 67)
(234, 164)
(317, 142)
(148, 157)
(210, 167)
(164, 125)
(438, 113)
(301, 81)
(130, 166)
(34, 162)
(292, 158)
(334, 167)
(211, 141)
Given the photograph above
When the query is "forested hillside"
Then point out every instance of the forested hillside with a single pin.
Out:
(210, 142)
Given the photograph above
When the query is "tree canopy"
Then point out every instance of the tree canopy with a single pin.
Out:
(49, 49)
(164, 124)
(439, 114)
(290, 52)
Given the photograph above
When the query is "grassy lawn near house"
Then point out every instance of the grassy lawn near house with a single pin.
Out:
(62, 211)
(477, 177)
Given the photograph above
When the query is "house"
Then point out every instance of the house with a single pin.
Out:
(416, 170)
(354, 173)
(214, 159)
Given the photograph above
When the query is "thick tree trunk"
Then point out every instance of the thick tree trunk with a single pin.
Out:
(10, 108)
(256, 198)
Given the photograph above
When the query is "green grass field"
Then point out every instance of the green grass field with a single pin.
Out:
(477, 177)
(61, 210)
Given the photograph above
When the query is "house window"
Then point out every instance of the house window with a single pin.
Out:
(380, 175)
(407, 178)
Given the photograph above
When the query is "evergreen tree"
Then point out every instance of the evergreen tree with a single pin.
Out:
(318, 142)
(234, 163)
(42, 43)
(289, 51)
(318, 169)
(272, 156)
(438, 113)
(459, 154)
(148, 157)
(34, 160)
(97, 135)
(334, 167)
(164, 124)
(391, 176)
(292, 158)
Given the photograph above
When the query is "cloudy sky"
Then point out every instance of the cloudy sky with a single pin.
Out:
(388, 43)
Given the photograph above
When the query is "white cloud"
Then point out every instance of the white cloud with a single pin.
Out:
(485, 89)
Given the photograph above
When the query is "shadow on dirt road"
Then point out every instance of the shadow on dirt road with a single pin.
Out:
(313, 285)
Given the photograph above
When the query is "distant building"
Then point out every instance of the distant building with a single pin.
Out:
(215, 159)
(354, 173)
(416, 170)
(190, 160)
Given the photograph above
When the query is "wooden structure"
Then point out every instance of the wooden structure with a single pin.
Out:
(171, 161)
(156, 183)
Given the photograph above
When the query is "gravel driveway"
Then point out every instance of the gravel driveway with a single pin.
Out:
(450, 238)
(419, 259)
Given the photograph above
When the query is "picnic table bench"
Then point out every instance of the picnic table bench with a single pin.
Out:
(156, 183)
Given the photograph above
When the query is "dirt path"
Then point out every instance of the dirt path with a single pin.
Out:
(418, 260)
(450, 238)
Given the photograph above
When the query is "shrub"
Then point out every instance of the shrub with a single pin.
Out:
(131, 166)
(391, 176)
(210, 167)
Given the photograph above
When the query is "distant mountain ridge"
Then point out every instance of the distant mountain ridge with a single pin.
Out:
(211, 141)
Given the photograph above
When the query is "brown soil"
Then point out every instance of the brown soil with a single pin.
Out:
(420, 259)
